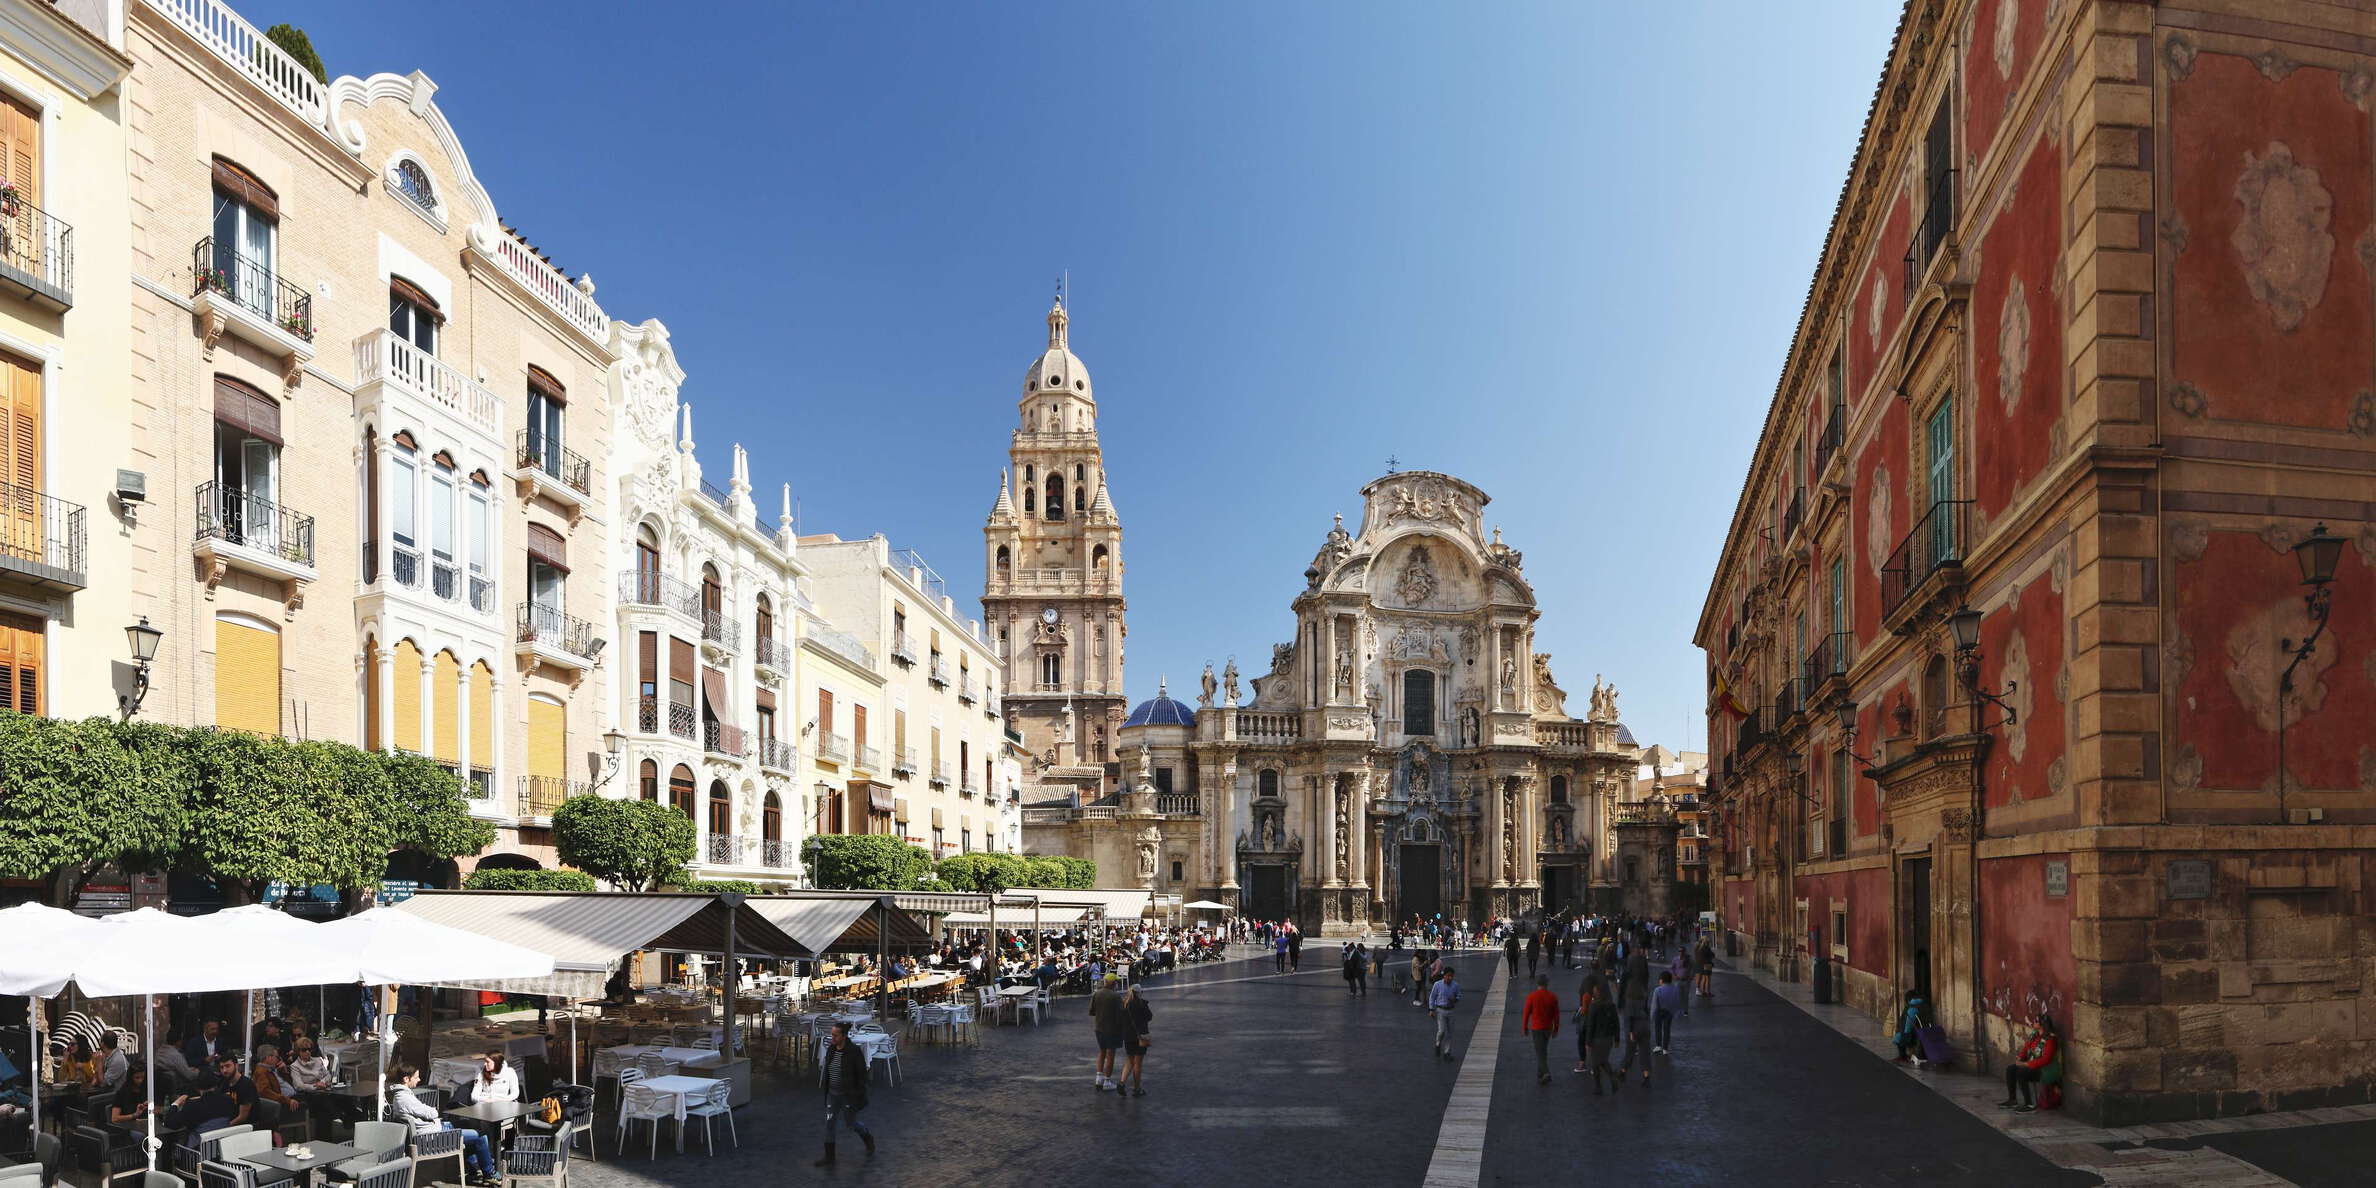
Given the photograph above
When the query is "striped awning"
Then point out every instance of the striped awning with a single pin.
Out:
(839, 922)
(1120, 904)
(939, 903)
(587, 933)
(1013, 919)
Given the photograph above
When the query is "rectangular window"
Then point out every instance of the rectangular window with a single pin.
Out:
(824, 711)
(442, 522)
(21, 679)
(248, 677)
(545, 585)
(940, 838)
(412, 321)
(1418, 702)
(403, 497)
(247, 482)
(482, 530)
(1842, 774)
(544, 427)
(244, 238)
(1839, 600)
(1163, 780)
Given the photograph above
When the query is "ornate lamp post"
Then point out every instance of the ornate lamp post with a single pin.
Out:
(1965, 624)
(614, 748)
(144, 640)
(2316, 554)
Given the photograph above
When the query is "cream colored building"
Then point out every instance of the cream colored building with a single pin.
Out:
(370, 419)
(64, 539)
(916, 752)
(710, 615)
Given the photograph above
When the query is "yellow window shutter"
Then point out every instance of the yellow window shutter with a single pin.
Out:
(445, 692)
(20, 663)
(371, 697)
(482, 717)
(548, 739)
(407, 663)
(247, 677)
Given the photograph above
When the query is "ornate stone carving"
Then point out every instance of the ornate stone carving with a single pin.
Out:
(2254, 660)
(2280, 536)
(1342, 864)
(2356, 85)
(1148, 840)
(1429, 501)
(2178, 55)
(1955, 825)
(1417, 582)
(2362, 419)
(1204, 694)
(1229, 682)
(2189, 537)
(2013, 342)
(2273, 65)
(1877, 540)
(2283, 241)
(2188, 400)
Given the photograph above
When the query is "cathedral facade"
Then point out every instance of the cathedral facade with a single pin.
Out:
(1408, 753)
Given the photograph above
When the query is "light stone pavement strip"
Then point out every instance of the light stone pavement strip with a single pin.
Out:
(2067, 1141)
(1460, 1145)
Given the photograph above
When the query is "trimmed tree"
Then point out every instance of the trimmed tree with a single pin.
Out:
(296, 44)
(985, 873)
(432, 808)
(1080, 874)
(1043, 873)
(269, 811)
(723, 887)
(863, 862)
(69, 802)
(630, 844)
(529, 880)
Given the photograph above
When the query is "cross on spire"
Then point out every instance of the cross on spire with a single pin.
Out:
(1391, 462)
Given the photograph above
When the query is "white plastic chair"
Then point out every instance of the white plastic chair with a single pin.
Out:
(883, 1048)
(1028, 1004)
(712, 1105)
(707, 1042)
(638, 1104)
(654, 1064)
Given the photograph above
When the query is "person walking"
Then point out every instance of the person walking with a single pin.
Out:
(1362, 957)
(1598, 1030)
(1279, 950)
(1634, 990)
(845, 1091)
(1663, 1003)
(1634, 1017)
(1112, 1022)
(1351, 961)
(1294, 948)
(1510, 951)
(1534, 954)
(1134, 1052)
(1678, 971)
(1541, 1019)
(1418, 977)
(1441, 999)
(1707, 967)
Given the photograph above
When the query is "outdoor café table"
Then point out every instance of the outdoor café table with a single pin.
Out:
(498, 1115)
(317, 1156)
(1008, 996)
(682, 1092)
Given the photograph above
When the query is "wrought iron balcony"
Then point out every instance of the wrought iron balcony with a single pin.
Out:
(482, 594)
(647, 715)
(774, 854)
(680, 719)
(725, 849)
(717, 738)
(715, 495)
(547, 627)
(407, 566)
(1794, 515)
(36, 251)
(1938, 222)
(770, 652)
(1826, 661)
(1936, 544)
(870, 758)
(718, 629)
(901, 650)
(1751, 733)
(969, 789)
(940, 775)
(937, 671)
(41, 538)
(252, 286)
(480, 784)
(1835, 432)
(905, 764)
(445, 579)
(967, 691)
(255, 524)
(640, 588)
(540, 795)
(835, 747)
(1789, 705)
(777, 755)
(543, 453)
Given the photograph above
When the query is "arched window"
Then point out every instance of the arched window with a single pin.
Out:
(680, 789)
(1099, 557)
(412, 181)
(1006, 561)
(764, 619)
(648, 779)
(647, 565)
(1559, 790)
(1030, 500)
(771, 819)
(1051, 671)
(1266, 782)
(1935, 697)
(721, 813)
(1080, 488)
(1418, 702)
(1055, 496)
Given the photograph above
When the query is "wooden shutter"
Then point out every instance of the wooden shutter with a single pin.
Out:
(548, 739)
(546, 545)
(857, 726)
(243, 407)
(371, 697)
(247, 677)
(408, 291)
(21, 677)
(232, 179)
(20, 146)
(824, 711)
(445, 693)
(406, 660)
(482, 717)
(540, 380)
(647, 658)
(20, 458)
(680, 660)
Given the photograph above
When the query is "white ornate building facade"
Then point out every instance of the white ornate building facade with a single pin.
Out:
(1408, 753)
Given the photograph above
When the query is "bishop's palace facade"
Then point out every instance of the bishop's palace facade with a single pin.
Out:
(1408, 753)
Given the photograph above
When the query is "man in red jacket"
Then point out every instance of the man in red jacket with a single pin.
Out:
(1542, 1022)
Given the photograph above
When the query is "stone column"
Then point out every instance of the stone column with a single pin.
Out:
(462, 722)
(1225, 861)
(495, 719)
(428, 713)
(383, 660)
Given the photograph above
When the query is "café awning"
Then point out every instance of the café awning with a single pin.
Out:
(840, 921)
(587, 933)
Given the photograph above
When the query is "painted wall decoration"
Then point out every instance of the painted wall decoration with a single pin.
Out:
(2017, 336)
(2023, 642)
(2002, 41)
(1880, 300)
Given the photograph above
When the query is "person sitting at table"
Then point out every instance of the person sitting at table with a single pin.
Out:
(195, 1115)
(131, 1099)
(112, 1062)
(410, 1109)
(270, 1078)
(179, 1074)
(268, 1031)
(205, 1046)
(232, 1081)
(79, 1067)
(900, 968)
(497, 1081)
(309, 1070)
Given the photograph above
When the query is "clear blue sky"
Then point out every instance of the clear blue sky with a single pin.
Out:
(1556, 249)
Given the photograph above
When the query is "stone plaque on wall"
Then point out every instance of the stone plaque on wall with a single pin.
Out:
(2058, 879)
(2189, 878)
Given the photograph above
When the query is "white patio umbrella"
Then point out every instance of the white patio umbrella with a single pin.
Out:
(37, 962)
(391, 947)
(256, 924)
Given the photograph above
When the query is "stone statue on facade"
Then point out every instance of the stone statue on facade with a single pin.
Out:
(1344, 673)
(1509, 677)
(1229, 682)
(1146, 766)
(1147, 841)
(1419, 779)
(1204, 699)
(1472, 729)
(1341, 826)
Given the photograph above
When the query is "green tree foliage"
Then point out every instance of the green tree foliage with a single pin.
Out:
(869, 862)
(986, 873)
(67, 796)
(631, 844)
(529, 880)
(433, 811)
(294, 41)
(1080, 874)
(1043, 872)
(723, 887)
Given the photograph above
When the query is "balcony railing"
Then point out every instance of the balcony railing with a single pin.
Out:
(1789, 704)
(1752, 730)
(905, 763)
(770, 652)
(249, 52)
(481, 783)
(445, 579)
(36, 248)
(236, 517)
(384, 355)
(842, 644)
(546, 454)
(547, 626)
(711, 490)
(1177, 804)
(870, 758)
(1794, 515)
(641, 588)
(41, 535)
(900, 649)
(1935, 543)
(647, 715)
(680, 719)
(1092, 581)
(967, 691)
(778, 755)
(1835, 431)
(835, 747)
(1827, 659)
(407, 566)
(717, 738)
(716, 628)
(774, 854)
(1938, 221)
(1269, 727)
(940, 775)
(575, 305)
(969, 789)
(540, 795)
(482, 594)
(938, 670)
(251, 285)
(725, 849)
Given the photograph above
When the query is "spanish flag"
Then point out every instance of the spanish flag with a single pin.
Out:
(1727, 702)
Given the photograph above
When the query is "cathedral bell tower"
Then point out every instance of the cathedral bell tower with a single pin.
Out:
(1053, 595)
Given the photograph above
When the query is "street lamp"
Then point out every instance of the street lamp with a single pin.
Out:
(614, 747)
(143, 639)
(1964, 624)
(1846, 711)
(2316, 554)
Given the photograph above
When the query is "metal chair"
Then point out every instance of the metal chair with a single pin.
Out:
(25, 1173)
(638, 1104)
(379, 1142)
(884, 1051)
(538, 1158)
(395, 1173)
(236, 1149)
(216, 1174)
(187, 1158)
(429, 1146)
(711, 1106)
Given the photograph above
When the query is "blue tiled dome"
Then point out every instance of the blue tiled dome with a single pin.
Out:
(1161, 711)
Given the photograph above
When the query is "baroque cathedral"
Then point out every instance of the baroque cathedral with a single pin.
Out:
(1407, 753)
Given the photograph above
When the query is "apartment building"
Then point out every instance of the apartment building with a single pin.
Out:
(371, 509)
(710, 614)
(63, 532)
(910, 744)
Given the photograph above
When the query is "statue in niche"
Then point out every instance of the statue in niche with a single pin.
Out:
(1340, 836)
(1344, 672)
(1204, 699)
(1472, 730)
(1229, 682)
(1417, 582)
(1146, 851)
(1559, 833)
(1509, 677)
(1419, 779)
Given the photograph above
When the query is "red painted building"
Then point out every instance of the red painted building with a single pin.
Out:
(2090, 350)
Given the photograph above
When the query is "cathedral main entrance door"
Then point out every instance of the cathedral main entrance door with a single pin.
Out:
(1419, 890)
(1266, 892)
(1559, 887)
